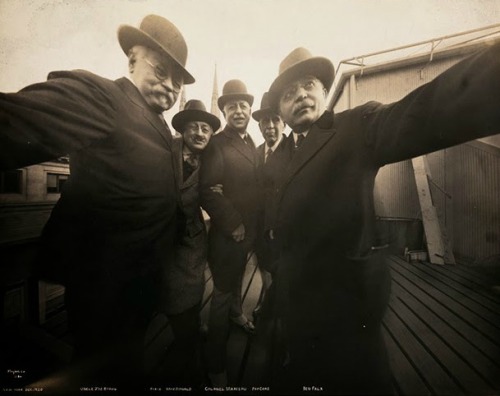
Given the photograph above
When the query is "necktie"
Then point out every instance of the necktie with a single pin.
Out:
(268, 153)
(191, 163)
(300, 139)
(245, 138)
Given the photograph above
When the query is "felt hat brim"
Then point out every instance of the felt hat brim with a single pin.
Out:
(319, 67)
(258, 114)
(184, 116)
(236, 96)
(129, 36)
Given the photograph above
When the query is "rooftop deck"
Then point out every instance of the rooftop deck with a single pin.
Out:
(442, 330)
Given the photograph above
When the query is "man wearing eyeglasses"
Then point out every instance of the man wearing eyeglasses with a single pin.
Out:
(114, 226)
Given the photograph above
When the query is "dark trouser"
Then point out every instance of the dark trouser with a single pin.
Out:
(227, 261)
(223, 306)
(108, 319)
(185, 351)
(345, 364)
(332, 307)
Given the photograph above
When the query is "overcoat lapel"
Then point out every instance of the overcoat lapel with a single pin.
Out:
(154, 119)
(260, 155)
(177, 147)
(318, 136)
(238, 143)
(314, 142)
(191, 180)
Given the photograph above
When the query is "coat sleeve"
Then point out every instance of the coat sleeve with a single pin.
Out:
(461, 104)
(223, 214)
(47, 120)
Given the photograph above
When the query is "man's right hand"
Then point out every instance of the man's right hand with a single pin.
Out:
(239, 233)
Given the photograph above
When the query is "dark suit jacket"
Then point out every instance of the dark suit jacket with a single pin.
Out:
(269, 173)
(334, 279)
(116, 215)
(184, 279)
(229, 161)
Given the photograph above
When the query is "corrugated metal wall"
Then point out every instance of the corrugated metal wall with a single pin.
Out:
(465, 180)
(473, 176)
(395, 192)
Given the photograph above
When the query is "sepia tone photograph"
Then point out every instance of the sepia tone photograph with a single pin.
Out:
(262, 197)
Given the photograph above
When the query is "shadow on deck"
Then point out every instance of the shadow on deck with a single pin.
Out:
(442, 331)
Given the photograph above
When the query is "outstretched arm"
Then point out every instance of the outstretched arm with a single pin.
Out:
(461, 104)
(54, 118)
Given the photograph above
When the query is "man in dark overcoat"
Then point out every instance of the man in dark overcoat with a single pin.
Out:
(230, 160)
(113, 228)
(333, 278)
(184, 276)
(271, 126)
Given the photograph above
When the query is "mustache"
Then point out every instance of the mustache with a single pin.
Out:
(302, 106)
(165, 92)
(199, 139)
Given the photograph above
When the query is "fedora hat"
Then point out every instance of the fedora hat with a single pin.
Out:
(160, 35)
(300, 63)
(265, 108)
(194, 110)
(234, 90)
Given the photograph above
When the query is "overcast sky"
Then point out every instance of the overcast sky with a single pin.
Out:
(247, 39)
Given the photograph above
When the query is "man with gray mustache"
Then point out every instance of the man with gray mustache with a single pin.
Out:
(113, 229)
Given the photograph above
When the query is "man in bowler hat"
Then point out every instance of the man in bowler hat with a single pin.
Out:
(113, 228)
(230, 160)
(272, 127)
(333, 279)
(184, 276)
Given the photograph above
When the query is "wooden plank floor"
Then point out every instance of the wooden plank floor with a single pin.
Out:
(159, 338)
(442, 331)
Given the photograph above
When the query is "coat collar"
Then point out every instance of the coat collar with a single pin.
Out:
(153, 118)
(248, 150)
(319, 134)
(191, 180)
(261, 150)
(193, 177)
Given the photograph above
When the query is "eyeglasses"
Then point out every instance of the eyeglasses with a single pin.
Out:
(161, 74)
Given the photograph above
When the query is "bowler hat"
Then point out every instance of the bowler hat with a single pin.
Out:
(234, 90)
(300, 63)
(265, 108)
(160, 35)
(194, 110)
